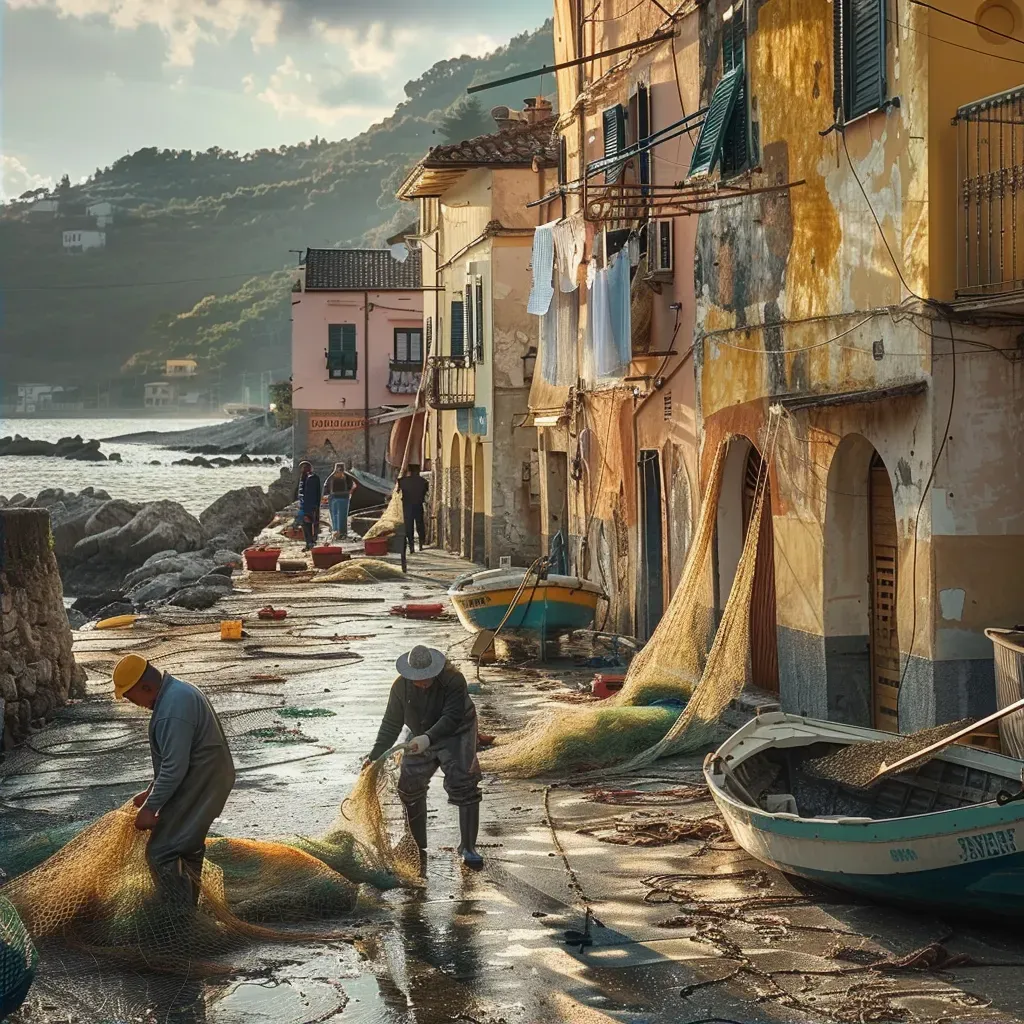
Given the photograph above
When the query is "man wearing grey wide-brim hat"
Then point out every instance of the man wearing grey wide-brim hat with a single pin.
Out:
(430, 696)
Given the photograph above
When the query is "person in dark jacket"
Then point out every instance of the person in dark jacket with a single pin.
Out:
(430, 696)
(414, 494)
(310, 492)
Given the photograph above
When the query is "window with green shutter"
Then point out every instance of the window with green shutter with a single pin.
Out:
(735, 144)
(712, 132)
(859, 51)
(478, 320)
(458, 347)
(342, 358)
(614, 121)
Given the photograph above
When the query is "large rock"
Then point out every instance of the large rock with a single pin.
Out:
(111, 514)
(234, 540)
(203, 594)
(248, 508)
(91, 604)
(68, 519)
(283, 490)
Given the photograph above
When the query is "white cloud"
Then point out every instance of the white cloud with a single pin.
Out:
(16, 178)
(290, 92)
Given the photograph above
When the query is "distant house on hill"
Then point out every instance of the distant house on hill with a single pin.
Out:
(180, 368)
(33, 398)
(159, 395)
(81, 241)
(44, 208)
(102, 213)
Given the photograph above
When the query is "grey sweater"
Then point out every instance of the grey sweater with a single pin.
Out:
(185, 738)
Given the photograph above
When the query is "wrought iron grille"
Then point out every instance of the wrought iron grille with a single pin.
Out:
(451, 383)
(990, 212)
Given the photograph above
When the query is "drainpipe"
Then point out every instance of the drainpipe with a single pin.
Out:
(366, 378)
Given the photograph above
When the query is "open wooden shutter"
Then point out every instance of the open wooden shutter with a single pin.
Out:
(643, 130)
(764, 646)
(734, 140)
(468, 310)
(716, 120)
(885, 644)
(865, 55)
(478, 320)
(614, 119)
(342, 358)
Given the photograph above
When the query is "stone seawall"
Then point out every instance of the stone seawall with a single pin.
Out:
(37, 669)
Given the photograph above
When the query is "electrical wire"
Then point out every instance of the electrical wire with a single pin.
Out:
(949, 42)
(967, 21)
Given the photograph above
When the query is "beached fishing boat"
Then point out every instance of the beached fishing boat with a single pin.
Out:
(942, 835)
(548, 605)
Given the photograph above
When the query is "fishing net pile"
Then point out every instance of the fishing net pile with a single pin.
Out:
(391, 519)
(361, 570)
(96, 891)
(675, 665)
(18, 960)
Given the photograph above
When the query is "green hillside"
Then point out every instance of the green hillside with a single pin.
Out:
(197, 260)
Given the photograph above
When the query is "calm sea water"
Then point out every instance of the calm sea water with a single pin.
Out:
(133, 479)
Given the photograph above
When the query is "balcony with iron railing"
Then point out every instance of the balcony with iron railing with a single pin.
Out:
(451, 382)
(404, 376)
(990, 209)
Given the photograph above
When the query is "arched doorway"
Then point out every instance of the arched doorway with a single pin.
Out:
(467, 500)
(479, 506)
(862, 651)
(743, 467)
(454, 502)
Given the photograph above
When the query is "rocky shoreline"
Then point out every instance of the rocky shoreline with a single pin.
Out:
(244, 436)
(66, 448)
(118, 556)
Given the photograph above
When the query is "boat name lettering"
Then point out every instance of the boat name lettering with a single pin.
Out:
(988, 844)
(902, 854)
(476, 602)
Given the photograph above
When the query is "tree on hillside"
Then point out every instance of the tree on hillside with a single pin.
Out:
(465, 120)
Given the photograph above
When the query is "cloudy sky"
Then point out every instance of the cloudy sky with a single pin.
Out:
(86, 81)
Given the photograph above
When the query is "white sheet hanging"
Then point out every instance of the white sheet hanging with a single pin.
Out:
(570, 239)
(542, 288)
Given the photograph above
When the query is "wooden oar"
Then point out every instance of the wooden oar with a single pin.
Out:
(888, 769)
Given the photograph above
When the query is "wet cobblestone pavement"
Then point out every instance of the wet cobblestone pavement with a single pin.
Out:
(681, 931)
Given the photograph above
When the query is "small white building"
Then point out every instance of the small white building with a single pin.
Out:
(158, 395)
(81, 241)
(102, 212)
(45, 208)
(180, 368)
(34, 398)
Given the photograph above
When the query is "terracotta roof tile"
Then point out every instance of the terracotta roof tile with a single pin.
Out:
(516, 145)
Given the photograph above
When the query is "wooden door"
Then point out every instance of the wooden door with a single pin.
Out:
(764, 651)
(885, 644)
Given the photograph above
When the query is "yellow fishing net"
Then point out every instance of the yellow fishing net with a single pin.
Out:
(390, 520)
(674, 665)
(361, 570)
(97, 892)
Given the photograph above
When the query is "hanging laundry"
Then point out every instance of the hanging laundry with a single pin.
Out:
(568, 331)
(633, 248)
(602, 347)
(570, 239)
(549, 344)
(542, 289)
(619, 302)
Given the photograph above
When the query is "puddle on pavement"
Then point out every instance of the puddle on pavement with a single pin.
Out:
(270, 1002)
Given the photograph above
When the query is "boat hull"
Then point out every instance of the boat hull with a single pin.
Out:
(969, 859)
(546, 608)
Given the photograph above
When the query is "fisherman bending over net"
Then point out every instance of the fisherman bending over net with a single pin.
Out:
(193, 773)
(431, 697)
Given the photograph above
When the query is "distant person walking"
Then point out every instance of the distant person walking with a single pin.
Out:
(310, 492)
(414, 494)
(340, 486)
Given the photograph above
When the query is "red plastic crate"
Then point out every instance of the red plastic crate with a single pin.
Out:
(376, 546)
(327, 555)
(261, 559)
(605, 685)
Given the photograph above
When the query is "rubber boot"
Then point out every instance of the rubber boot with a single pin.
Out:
(417, 812)
(469, 825)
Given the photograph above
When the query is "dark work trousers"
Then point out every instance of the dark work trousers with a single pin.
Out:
(310, 531)
(456, 757)
(413, 515)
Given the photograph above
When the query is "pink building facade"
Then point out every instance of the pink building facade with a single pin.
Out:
(357, 355)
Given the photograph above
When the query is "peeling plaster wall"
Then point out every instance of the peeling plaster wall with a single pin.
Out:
(792, 289)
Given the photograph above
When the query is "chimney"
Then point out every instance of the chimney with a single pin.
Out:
(536, 109)
(505, 118)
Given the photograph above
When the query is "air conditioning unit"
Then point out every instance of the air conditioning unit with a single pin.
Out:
(663, 255)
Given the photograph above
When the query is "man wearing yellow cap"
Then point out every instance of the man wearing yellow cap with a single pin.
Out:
(193, 772)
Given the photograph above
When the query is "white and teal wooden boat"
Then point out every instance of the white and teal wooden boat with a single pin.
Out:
(548, 604)
(938, 836)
